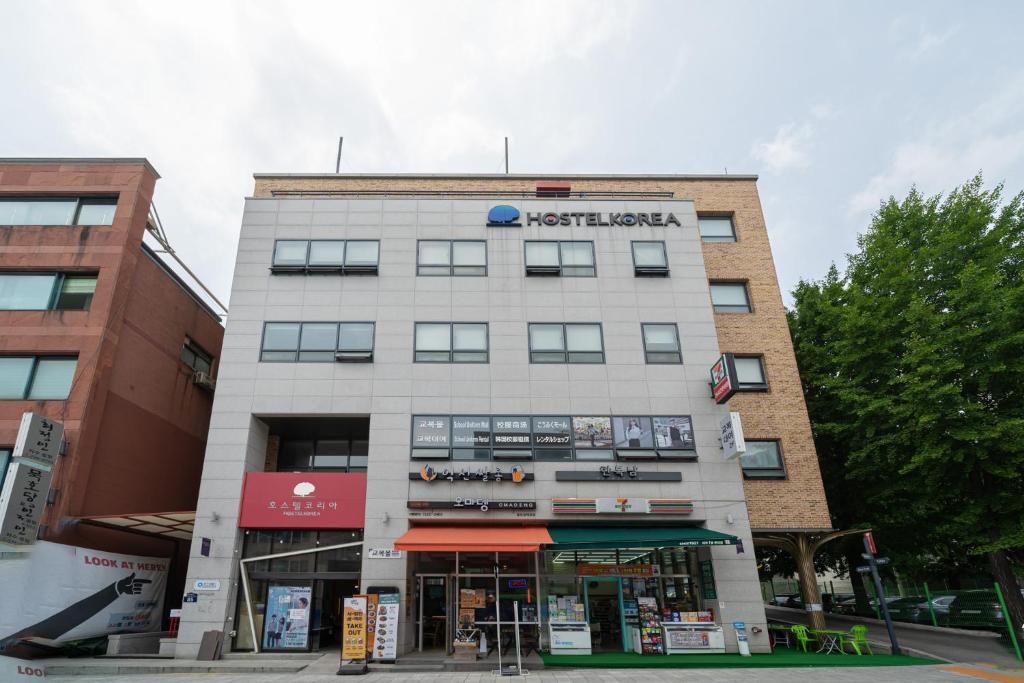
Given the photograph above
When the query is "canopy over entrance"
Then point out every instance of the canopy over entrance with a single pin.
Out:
(603, 537)
(169, 524)
(474, 539)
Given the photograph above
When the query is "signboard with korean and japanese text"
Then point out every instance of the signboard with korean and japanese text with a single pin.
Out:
(469, 431)
(431, 431)
(22, 501)
(552, 432)
(511, 432)
(39, 439)
(306, 500)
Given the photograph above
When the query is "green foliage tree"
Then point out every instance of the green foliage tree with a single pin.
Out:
(913, 369)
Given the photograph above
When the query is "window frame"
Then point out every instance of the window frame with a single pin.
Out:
(451, 342)
(59, 278)
(649, 271)
(717, 238)
(759, 387)
(356, 356)
(451, 260)
(80, 200)
(565, 345)
(30, 380)
(306, 269)
(766, 472)
(647, 354)
(723, 308)
(548, 271)
(193, 347)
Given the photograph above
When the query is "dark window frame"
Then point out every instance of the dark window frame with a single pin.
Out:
(451, 342)
(766, 472)
(647, 354)
(649, 271)
(758, 387)
(192, 346)
(731, 309)
(314, 468)
(451, 260)
(26, 390)
(56, 291)
(364, 355)
(551, 271)
(80, 201)
(342, 268)
(565, 345)
(716, 238)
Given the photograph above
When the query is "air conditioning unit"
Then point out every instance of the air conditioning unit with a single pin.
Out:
(203, 380)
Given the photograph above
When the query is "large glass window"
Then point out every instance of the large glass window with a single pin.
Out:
(46, 291)
(750, 372)
(451, 257)
(336, 455)
(451, 343)
(57, 210)
(716, 228)
(649, 259)
(335, 256)
(661, 343)
(195, 357)
(730, 297)
(36, 377)
(566, 343)
(567, 259)
(763, 459)
(318, 342)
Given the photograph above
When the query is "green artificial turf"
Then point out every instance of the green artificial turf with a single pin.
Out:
(780, 658)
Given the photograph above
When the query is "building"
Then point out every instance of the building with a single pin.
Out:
(100, 334)
(397, 342)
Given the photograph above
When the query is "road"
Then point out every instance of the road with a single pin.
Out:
(954, 647)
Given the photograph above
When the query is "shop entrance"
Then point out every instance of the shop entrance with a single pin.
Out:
(603, 599)
(432, 612)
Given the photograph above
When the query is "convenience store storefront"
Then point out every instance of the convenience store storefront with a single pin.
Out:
(578, 589)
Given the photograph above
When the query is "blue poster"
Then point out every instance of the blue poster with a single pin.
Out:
(286, 623)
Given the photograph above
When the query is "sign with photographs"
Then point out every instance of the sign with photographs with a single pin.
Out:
(431, 431)
(479, 504)
(385, 637)
(353, 629)
(552, 432)
(674, 432)
(38, 439)
(287, 618)
(592, 432)
(723, 378)
(633, 432)
(616, 473)
(22, 501)
(511, 432)
(469, 431)
(495, 474)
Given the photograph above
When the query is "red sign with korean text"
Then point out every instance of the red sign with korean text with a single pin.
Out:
(303, 500)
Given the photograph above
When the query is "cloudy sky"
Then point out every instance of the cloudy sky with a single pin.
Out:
(835, 105)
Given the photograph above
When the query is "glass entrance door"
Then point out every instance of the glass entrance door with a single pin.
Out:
(433, 611)
(603, 602)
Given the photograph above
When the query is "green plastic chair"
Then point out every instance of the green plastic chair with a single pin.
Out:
(802, 636)
(857, 638)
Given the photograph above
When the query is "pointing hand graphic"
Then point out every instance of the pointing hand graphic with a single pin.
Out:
(130, 585)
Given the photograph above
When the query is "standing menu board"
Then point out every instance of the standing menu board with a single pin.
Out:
(353, 641)
(651, 642)
(385, 644)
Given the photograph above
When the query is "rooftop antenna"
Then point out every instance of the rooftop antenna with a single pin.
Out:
(506, 155)
(337, 164)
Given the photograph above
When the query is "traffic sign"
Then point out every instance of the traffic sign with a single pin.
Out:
(864, 569)
(881, 561)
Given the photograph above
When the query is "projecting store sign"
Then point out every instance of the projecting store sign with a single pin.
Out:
(22, 501)
(732, 436)
(723, 378)
(38, 439)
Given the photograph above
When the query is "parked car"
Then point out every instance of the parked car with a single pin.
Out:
(977, 609)
(830, 601)
(781, 599)
(849, 606)
(906, 608)
(940, 605)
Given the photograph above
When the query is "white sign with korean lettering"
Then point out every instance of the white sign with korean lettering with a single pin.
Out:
(732, 436)
(22, 501)
(383, 554)
(38, 439)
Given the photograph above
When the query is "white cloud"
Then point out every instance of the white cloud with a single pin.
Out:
(929, 40)
(788, 150)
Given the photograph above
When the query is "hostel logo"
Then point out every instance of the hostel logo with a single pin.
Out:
(503, 216)
(303, 489)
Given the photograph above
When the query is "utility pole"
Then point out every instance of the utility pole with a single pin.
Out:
(337, 164)
(872, 568)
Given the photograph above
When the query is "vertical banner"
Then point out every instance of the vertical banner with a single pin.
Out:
(385, 646)
(353, 639)
(22, 501)
(371, 622)
(286, 623)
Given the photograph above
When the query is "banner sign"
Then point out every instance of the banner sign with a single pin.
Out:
(71, 593)
(371, 622)
(658, 506)
(481, 504)
(286, 623)
(383, 554)
(22, 501)
(353, 643)
(731, 428)
(616, 473)
(39, 439)
(723, 378)
(618, 570)
(483, 474)
(385, 643)
(303, 500)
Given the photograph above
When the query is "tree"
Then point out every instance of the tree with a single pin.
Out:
(913, 370)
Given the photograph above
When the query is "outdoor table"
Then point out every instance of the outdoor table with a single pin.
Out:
(781, 634)
(829, 640)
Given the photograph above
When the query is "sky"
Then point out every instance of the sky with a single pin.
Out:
(836, 106)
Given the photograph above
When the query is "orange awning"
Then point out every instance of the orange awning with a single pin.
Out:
(474, 538)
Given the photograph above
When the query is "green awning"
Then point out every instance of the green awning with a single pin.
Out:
(604, 537)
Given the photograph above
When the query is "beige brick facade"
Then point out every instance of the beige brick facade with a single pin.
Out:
(797, 502)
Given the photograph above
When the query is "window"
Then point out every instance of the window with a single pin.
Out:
(566, 343)
(46, 291)
(36, 378)
(57, 210)
(716, 228)
(318, 342)
(661, 343)
(335, 455)
(5, 460)
(326, 256)
(763, 460)
(451, 343)
(730, 297)
(567, 259)
(750, 373)
(649, 259)
(196, 358)
(445, 257)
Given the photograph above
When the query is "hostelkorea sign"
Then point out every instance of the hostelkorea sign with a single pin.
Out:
(506, 216)
(304, 500)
